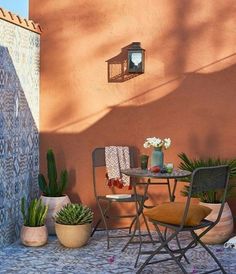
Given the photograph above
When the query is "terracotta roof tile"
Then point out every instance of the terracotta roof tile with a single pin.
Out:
(17, 20)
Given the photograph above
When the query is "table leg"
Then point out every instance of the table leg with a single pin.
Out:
(137, 227)
(169, 189)
(173, 191)
(139, 208)
(137, 223)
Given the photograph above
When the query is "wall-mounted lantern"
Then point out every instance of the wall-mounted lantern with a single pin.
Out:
(136, 58)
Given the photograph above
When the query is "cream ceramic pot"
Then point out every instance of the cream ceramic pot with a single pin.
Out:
(73, 235)
(54, 205)
(34, 236)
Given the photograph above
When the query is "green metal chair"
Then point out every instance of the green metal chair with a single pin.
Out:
(202, 180)
(105, 203)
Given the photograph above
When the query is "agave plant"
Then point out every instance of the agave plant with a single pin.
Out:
(36, 213)
(191, 164)
(53, 188)
(74, 214)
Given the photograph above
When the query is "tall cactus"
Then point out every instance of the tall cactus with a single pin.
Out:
(36, 213)
(52, 171)
(53, 188)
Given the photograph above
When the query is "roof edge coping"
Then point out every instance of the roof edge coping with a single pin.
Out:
(19, 21)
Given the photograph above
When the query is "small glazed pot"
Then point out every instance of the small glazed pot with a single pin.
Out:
(73, 235)
(54, 205)
(34, 236)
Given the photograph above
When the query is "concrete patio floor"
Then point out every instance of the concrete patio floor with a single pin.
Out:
(95, 258)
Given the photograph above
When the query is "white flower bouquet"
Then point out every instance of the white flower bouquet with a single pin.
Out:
(157, 142)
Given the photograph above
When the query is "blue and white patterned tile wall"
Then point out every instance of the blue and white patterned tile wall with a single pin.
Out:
(19, 120)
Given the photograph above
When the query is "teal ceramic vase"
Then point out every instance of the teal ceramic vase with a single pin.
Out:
(157, 157)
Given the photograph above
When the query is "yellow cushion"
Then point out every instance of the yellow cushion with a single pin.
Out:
(172, 213)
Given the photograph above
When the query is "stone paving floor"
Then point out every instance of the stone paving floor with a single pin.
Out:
(95, 258)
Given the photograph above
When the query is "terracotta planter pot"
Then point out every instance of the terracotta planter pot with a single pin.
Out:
(54, 205)
(34, 236)
(223, 230)
(73, 235)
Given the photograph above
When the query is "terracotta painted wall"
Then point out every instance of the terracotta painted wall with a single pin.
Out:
(187, 93)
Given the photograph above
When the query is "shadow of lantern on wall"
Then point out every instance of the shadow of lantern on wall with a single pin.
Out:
(129, 63)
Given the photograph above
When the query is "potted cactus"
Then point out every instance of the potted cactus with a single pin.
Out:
(34, 232)
(73, 225)
(53, 190)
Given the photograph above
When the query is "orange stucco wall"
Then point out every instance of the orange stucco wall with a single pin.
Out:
(187, 93)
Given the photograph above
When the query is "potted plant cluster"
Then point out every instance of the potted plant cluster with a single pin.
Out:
(73, 225)
(53, 190)
(223, 230)
(34, 232)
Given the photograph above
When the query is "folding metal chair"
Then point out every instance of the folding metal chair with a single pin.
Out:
(98, 160)
(203, 180)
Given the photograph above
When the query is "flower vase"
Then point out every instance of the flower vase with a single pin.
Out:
(157, 157)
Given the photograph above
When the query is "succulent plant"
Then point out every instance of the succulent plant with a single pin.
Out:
(53, 188)
(74, 214)
(36, 213)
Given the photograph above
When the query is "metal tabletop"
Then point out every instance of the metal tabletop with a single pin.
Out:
(145, 173)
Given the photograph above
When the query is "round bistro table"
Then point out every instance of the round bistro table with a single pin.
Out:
(147, 174)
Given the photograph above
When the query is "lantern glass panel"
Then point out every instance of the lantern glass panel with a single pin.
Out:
(135, 61)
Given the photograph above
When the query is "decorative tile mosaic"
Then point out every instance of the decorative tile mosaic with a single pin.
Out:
(95, 258)
(19, 119)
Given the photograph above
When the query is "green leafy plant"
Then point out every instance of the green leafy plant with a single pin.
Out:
(53, 188)
(36, 212)
(74, 214)
(191, 164)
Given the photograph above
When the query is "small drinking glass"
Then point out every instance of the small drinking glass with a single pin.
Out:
(169, 167)
(144, 161)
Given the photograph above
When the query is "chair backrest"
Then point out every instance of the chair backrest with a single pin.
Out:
(98, 160)
(209, 178)
(206, 179)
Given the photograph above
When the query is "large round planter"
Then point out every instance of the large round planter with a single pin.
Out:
(34, 236)
(223, 230)
(73, 235)
(54, 205)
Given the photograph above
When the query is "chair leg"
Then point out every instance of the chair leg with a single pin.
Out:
(192, 244)
(196, 239)
(95, 227)
(180, 248)
(168, 250)
(155, 252)
(103, 215)
(209, 252)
